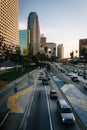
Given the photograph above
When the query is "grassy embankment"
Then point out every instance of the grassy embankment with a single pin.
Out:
(12, 74)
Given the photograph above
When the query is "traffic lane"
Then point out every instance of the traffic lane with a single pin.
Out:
(39, 116)
(12, 122)
(79, 84)
(16, 118)
(57, 124)
(55, 116)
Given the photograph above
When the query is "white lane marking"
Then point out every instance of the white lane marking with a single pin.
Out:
(31, 100)
(29, 107)
(51, 127)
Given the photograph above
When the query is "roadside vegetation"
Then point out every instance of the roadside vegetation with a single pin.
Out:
(12, 74)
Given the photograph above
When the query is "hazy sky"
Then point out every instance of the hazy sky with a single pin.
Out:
(61, 21)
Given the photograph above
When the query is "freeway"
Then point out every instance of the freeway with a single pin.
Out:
(42, 112)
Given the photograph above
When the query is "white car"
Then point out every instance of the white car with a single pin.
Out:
(68, 74)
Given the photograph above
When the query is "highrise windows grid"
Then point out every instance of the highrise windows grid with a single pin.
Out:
(9, 22)
(34, 32)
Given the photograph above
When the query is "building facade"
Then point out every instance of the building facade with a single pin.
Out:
(60, 51)
(42, 41)
(9, 23)
(82, 47)
(33, 29)
(23, 41)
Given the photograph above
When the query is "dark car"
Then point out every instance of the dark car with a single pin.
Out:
(47, 77)
(75, 78)
(53, 94)
(85, 76)
(40, 78)
(45, 81)
(80, 73)
(66, 113)
(85, 86)
(41, 73)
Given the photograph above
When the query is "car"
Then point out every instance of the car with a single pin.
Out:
(68, 74)
(47, 77)
(53, 94)
(75, 70)
(85, 76)
(85, 86)
(45, 81)
(41, 73)
(75, 78)
(80, 73)
(40, 78)
(65, 111)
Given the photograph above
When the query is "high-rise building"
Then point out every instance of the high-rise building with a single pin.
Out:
(42, 41)
(9, 22)
(60, 51)
(23, 41)
(82, 47)
(34, 33)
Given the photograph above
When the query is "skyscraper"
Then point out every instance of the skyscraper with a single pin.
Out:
(23, 41)
(83, 47)
(42, 41)
(9, 22)
(60, 51)
(33, 33)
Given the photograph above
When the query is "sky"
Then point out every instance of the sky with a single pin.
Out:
(61, 21)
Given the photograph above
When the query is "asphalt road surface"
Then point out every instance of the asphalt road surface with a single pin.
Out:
(43, 113)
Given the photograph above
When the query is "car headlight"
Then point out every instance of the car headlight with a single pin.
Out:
(74, 118)
(63, 120)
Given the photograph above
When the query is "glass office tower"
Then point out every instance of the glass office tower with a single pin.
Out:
(23, 41)
(34, 33)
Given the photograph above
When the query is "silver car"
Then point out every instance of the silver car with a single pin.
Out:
(66, 113)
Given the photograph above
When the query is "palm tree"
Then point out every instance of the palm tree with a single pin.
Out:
(54, 50)
(72, 54)
(46, 49)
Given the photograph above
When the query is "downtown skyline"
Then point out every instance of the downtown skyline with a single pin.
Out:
(62, 22)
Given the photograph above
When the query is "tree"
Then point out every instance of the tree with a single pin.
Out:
(46, 49)
(72, 54)
(42, 57)
(25, 51)
(54, 50)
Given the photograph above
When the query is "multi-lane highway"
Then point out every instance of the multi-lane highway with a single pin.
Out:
(42, 113)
